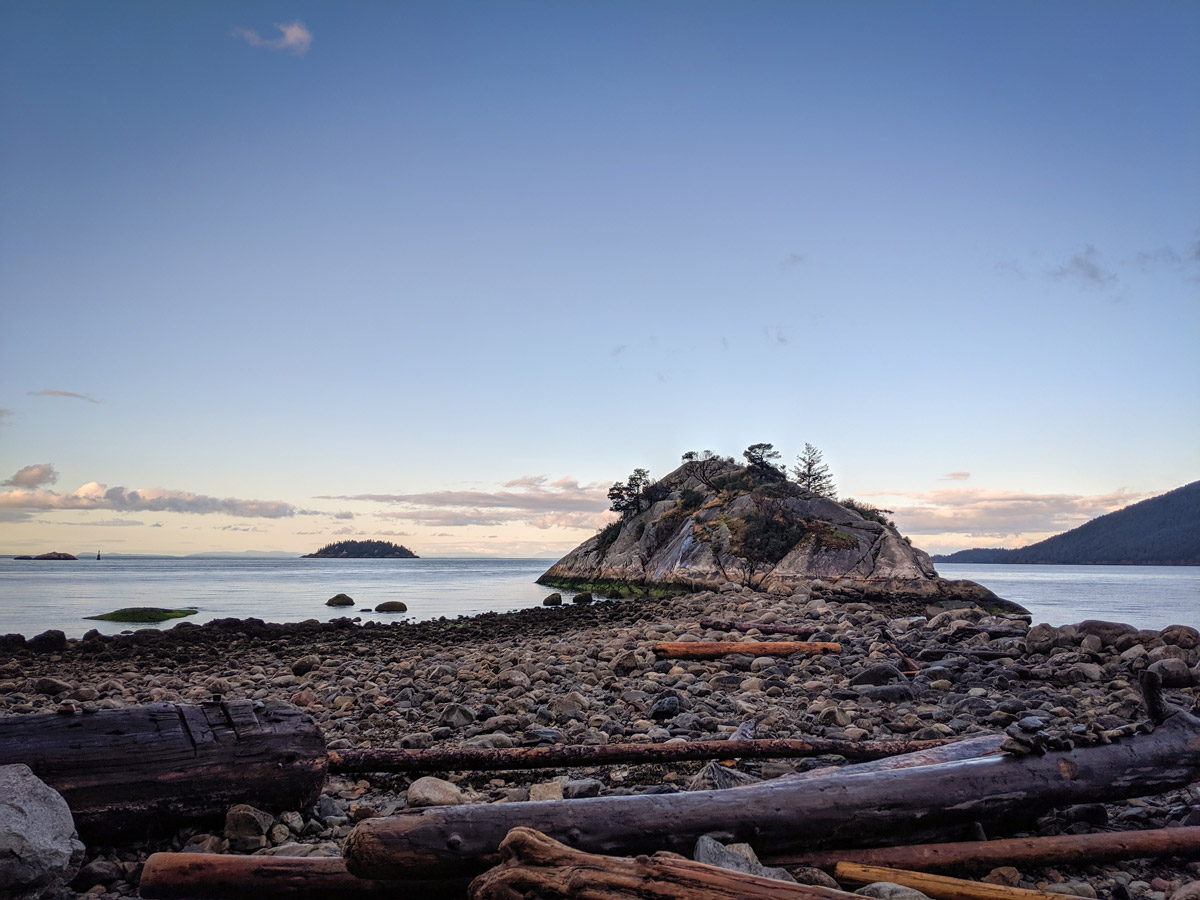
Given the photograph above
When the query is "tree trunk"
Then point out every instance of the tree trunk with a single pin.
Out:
(1035, 852)
(718, 649)
(154, 768)
(535, 866)
(938, 885)
(842, 807)
(475, 759)
(212, 876)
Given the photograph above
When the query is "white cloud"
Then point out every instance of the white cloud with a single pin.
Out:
(293, 37)
(955, 476)
(4, 414)
(32, 476)
(47, 392)
(1085, 268)
(94, 495)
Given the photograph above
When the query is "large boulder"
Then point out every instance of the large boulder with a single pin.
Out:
(39, 849)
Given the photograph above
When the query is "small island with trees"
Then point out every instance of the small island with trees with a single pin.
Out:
(362, 550)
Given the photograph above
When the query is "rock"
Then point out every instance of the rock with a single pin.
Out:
(1040, 638)
(582, 598)
(714, 853)
(339, 600)
(885, 890)
(546, 790)
(306, 664)
(1174, 672)
(888, 693)
(814, 876)
(715, 776)
(577, 789)
(1072, 889)
(50, 686)
(392, 606)
(53, 555)
(246, 827)
(667, 707)
(39, 849)
(1108, 632)
(98, 871)
(878, 675)
(431, 791)
(455, 715)
(50, 641)
(554, 599)
(1189, 891)
(1183, 636)
(1007, 876)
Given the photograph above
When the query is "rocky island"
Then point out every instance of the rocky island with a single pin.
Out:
(714, 521)
(56, 555)
(362, 550)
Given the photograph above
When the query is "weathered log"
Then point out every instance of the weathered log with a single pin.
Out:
(212, 876)
(345, 762)
(838, 808)
(798, 630)
(536, 866)
(940, 887)
(717, 649)
(155, 768)
(982, 856)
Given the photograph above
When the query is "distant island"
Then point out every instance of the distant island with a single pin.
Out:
(362, 550)
(1161, 531)
(55, 555)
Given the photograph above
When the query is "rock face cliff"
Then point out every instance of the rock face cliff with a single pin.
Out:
(712, 522)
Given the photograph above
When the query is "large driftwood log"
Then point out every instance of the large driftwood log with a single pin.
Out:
(535, 866)
(718, 649)
(982, 856)
(478, 759)
(938, 886)
(843, 807)
(213, 876)
(154, 768)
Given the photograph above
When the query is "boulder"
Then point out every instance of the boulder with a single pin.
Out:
(246, 827)
(886, 890)
(736, 858)
(583, 598)
(1183, 636)
(392, 606)
(1174, 672)
(39, 849)
(431, 791)
(305, 664)
(339, 600)
(554, 599)
(1108, 632)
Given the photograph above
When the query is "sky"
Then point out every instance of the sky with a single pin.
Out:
(282, 273)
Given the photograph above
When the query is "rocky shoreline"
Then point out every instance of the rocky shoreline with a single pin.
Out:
(585, 674)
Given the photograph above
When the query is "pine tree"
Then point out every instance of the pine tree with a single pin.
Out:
(812, 474)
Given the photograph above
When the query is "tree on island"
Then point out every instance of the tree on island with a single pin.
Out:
(761, 461)
(362, 550)
(812, 474)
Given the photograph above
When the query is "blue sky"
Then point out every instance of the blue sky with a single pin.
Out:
(441, 272)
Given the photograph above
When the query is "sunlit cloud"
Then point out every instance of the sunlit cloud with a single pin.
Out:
(983, 512)
(47, 392)
(531, 499)
(32, 476)
(110, 523)
(293, 37)
(955, 476)
(1085, 268)
(343, 514)
(94, 495)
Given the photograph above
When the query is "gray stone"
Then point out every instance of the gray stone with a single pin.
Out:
(39, 850)
(878, 675)
(51, 686)
(1183, 636)
(1174, 672)
(1108, 632)
(887, 693)
(814, 876)
(1040, 638)
(715, 776)
(667, 707)
(886, 890)
(430, 791)
(455, 715)
(1189, 891)
(554, 599)
(741, 859)
(246, 827)
(98, 871)
(305, 664)
(392, 606)
(577, 789)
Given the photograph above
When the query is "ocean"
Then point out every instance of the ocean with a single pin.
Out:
(37, 595)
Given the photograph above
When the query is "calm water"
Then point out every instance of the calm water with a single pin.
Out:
(36, 595)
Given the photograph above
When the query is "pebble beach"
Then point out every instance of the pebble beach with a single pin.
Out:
(586, 674)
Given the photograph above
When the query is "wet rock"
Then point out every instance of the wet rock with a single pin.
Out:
(554, 599)
(246, 827)
(743, 859)
(340, 600)
(582, 599)
(51, 641)
(886, 890)
(392, 606)
(1174, 672)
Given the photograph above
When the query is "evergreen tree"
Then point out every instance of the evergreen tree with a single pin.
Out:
(812, 474)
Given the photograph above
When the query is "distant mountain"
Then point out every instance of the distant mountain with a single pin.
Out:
(1161, 531)
(362, 550)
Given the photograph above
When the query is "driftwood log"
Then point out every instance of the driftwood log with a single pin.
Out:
(477, 759)
(983, 856)
(157, 767)
(214, 876)
(535, 866)
(718, 649)
(842, 807)
(938, 886)
(798, 630)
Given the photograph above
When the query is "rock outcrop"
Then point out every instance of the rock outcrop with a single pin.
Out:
(714, 522)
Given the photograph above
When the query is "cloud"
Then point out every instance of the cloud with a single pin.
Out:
(618, 350)
(1085, 268)
(32, 476)
(774, 335)
(1010, 268)
(792, 259)
(238, 528)
(4, 414)
(955, 476)
(530, 499)
(47, 392)
(111, 523)
(984, 512)
(100, 496)
(293, 37)
(343, 514)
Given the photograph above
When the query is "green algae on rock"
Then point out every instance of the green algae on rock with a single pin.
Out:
(143, 614)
